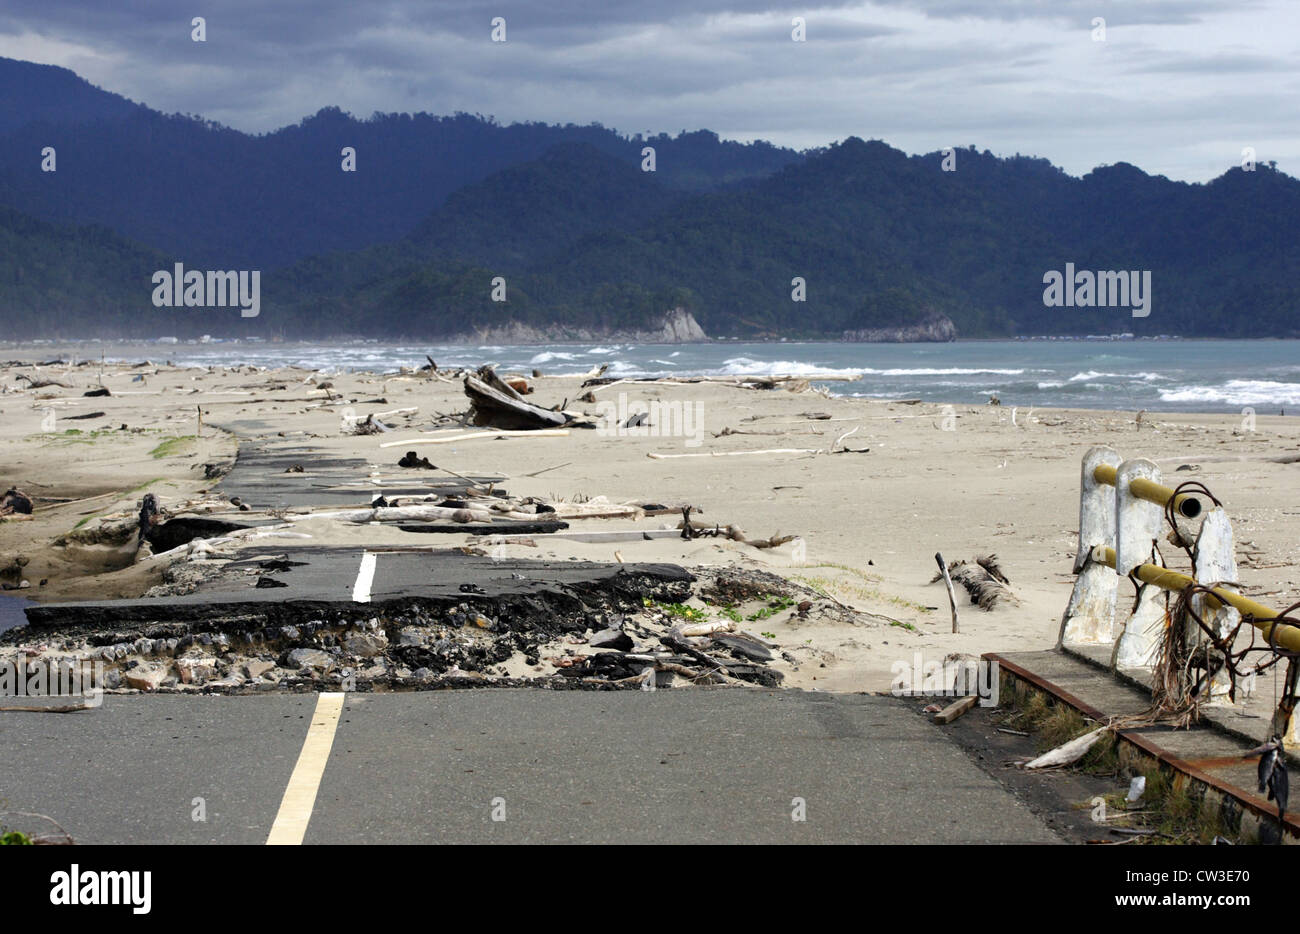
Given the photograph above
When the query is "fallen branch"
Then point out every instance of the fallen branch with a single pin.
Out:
(41, 838)
(538, 473)
(1067, 753)
(688, 630)
(497, 433)
(952, 597)
(596, 511)
(657, 456)
(76, 502)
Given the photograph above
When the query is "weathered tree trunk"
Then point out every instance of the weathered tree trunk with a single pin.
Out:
(494, 403)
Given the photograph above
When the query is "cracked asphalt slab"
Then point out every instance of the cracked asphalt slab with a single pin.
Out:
(669, 766)
(325, 580)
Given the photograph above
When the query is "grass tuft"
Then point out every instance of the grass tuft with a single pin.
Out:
(171, 447)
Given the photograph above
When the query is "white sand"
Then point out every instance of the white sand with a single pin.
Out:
(869, 523)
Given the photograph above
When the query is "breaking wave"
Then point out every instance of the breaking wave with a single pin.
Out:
(548, 356)
(1097, 374)
(947, 371)
(746, 366)
(1237, 392)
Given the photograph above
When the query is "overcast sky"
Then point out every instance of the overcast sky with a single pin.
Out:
(1178, 87)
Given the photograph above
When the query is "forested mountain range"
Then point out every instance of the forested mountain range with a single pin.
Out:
(442, 212)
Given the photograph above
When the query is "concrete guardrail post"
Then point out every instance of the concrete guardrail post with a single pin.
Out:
(1137, 527)
(1090, 616)
(1215, 566)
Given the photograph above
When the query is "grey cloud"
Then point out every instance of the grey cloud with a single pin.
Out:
(1167, 92)
(1215, 64)
(1115, 12)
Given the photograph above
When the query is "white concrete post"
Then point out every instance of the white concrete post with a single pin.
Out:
(1137, 526)
(1215, 565)
(1090, 616)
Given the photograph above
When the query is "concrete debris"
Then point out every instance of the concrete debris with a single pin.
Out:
(602, 630)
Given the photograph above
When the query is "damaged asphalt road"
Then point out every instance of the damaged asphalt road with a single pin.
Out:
(339, 619)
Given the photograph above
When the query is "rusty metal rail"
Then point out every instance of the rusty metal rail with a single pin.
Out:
(1287, 636)
(1188, 506)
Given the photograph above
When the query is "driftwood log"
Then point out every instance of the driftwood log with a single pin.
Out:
(983, 579)
(474, 435)
(1068, 753)
(494, 403)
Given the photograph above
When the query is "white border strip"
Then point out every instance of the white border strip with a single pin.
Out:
(365, 578)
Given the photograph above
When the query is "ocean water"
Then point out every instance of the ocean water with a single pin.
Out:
(1158, 375)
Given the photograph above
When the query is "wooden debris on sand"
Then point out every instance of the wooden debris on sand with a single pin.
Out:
(654, 455)
(370, 425)
(956, 709)
(495, 403)
(474, 435)
(413, 461)
(1068, 753)
(41, 383)
(692, 530)
(983, 579)
(947, 580)
(15, 501)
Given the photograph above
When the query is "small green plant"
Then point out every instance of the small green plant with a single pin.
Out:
(677, 610)
(79, 436)
(768, 635)
(867, 593)
(775, 605)
(171, 446)
(15, 838)
(145, 485)
(856, 572)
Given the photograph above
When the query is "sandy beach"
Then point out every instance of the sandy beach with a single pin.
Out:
(961, 480)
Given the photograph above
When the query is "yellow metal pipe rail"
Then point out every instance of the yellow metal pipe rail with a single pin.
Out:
(1189, 507)
(1288, 637)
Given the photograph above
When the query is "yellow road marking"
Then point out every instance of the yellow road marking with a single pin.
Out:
(300, 796)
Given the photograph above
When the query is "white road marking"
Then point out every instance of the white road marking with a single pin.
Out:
(300, 796)
(365, 577)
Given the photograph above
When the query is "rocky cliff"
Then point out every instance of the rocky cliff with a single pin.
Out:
(933, 327)
(677, 327)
